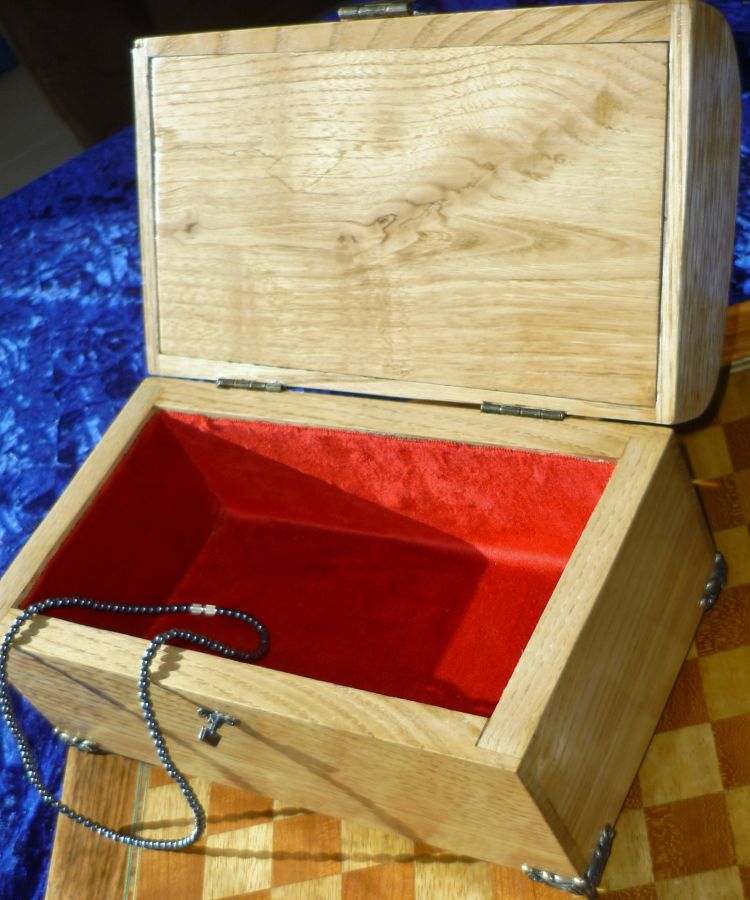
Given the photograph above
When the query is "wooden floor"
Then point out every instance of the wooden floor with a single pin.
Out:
(684, 832)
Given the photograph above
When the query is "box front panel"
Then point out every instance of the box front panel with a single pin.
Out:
(399, 766)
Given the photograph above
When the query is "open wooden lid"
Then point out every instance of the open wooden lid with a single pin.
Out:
(528, 206)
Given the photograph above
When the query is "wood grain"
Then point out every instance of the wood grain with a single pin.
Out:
(309, 219)
(103, 788)
(145, 175)
(737, 337)
(612, 22)
(400, 766)
(436, 208)
(701, 192)
(467, 247)
(645, 615)
(686, 832)
(413, 768)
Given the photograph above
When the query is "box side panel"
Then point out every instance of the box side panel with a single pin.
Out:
(50, 534)
(603, 710)
(432, 786)
(701, 184)
(146, 225)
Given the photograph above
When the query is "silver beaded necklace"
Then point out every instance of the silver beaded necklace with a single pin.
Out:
(7, 713)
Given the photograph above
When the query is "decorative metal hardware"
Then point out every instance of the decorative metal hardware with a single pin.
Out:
(716, 582)
(202, 609)
(376, 10)
(79, 743)
(247, 385)
(586, 885)
(209, 734)
(529, 412)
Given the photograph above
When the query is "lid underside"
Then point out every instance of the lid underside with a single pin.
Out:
(483, 217)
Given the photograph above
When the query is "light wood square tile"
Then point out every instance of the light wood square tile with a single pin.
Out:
(734, 543)
(448, 880)
(735, 404)
(708, 452)
(738, 804)
(726, 682)
(166, 815)
(238, 861)
(630, 862)
(680, 764)
(362, 846)
(721, 884)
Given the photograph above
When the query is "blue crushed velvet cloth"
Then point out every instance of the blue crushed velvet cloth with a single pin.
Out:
(71, 353)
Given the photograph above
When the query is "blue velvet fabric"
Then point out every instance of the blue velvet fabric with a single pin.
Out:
(71, 353)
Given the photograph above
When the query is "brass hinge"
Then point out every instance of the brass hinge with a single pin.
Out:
(376, 10)
(243, 384)
(528, 412)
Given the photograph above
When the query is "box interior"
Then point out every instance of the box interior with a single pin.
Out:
(412, 568)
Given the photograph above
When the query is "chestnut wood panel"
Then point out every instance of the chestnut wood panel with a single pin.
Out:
(352, 734)
(701, 197)
(84, 865)
(309, 219)
(361, 756)
(645, 615)
(387, 360)
(684, 826)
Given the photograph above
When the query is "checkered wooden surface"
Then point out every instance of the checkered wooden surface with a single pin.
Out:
(684, 831)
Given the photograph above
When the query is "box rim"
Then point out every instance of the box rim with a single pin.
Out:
(155, 394)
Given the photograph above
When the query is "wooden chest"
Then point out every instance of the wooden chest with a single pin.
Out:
(519, 225)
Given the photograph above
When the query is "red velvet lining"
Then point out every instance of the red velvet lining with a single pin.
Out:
(416, 569)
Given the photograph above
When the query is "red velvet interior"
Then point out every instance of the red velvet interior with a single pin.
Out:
(416, 569)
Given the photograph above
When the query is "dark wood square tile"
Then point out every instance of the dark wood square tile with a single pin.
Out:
(634, 799)
(727, 625)
(737, 436)
(721, 501)
(379, 883)
(686, 704)
(644, 892)
(689, 836)
(732, 738)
